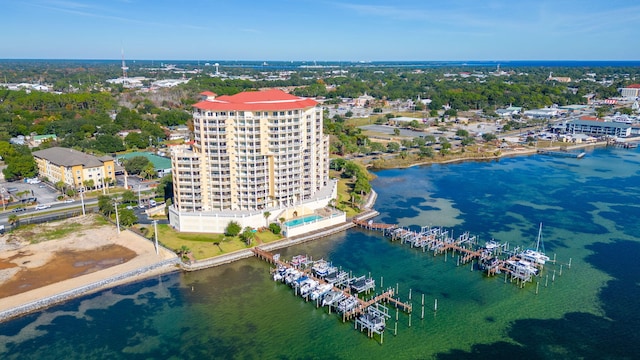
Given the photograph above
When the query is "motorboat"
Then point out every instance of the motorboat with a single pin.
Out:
(332, 297)
(320, 291)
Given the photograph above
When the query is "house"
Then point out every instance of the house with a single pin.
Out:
(36, 140)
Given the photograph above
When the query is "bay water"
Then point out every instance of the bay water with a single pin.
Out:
(589, 209)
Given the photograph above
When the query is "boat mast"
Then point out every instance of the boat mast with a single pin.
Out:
(539, 238)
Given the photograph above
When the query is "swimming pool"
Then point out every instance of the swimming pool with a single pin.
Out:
(302, 221)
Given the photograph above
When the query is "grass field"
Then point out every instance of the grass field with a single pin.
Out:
(205, 246)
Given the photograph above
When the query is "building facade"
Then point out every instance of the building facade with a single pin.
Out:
(74, 168)
(631, 91)
(253, 153)
(597, 128)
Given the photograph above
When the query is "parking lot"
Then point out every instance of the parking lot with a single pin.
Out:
(44, 193)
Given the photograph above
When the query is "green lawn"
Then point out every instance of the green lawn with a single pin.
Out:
(204, 246)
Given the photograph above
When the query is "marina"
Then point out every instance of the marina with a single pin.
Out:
(330, 287)
(517, 265)
(237, 310)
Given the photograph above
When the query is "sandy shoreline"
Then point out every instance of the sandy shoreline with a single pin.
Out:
(30, 257)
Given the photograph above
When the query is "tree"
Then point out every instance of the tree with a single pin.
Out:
(183, 252)
(396, 131)
(127, 217)
(149, 171)
(275, 228)
(362, 186)
(165, 187)
(135, 140)
(136, 164)
(426, 151)
(266, 215)
(355, 198)
(462, 133)
(128, 197)
(393, 147)
(247, 235)
(88, 184)
(488, 137)
(232, 229)
(108, 144)
(13, 219)
(105, 205)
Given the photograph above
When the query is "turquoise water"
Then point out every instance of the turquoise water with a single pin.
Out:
(590, 212)
(302, 221)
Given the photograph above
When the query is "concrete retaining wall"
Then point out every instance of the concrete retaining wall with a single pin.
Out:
(67, 295)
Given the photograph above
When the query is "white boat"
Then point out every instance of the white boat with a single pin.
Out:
(535, 256)
(347, 304)
(321, 268)
(307, 286)
(522, 267)
(332, 297)
(320, 291)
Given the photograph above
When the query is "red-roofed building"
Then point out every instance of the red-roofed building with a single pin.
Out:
(631, 91)
(253, 152)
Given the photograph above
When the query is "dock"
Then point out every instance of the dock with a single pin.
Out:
(370, 225)
(493, 258)
(567, 154)
(368, 315)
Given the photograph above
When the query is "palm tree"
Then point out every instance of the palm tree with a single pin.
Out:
(13, 219)
(266, 217)
(183, 251)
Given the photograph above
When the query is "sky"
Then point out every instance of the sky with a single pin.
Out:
(320, 30)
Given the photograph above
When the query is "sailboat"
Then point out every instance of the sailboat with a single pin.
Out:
(536, 255)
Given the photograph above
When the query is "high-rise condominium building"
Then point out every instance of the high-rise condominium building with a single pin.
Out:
(253, 152)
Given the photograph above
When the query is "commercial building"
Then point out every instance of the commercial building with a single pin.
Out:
(596, 128)
(631, 91)
(256, 157)
(74, 168)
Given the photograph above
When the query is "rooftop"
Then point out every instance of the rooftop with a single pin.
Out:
(159, 162)
(256, 101)
(69, 157)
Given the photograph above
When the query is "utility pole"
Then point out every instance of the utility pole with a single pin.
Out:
(117, 218)
(82, 200)
(155, 232)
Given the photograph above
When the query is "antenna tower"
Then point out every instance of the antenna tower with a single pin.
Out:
(124, 66)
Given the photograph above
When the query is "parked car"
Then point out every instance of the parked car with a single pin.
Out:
(20, 209)
(42, 207)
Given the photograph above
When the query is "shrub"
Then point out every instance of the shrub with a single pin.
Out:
(275, 228)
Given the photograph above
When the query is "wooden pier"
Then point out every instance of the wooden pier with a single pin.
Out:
(370, 225)
(368, 314)
(439, 241)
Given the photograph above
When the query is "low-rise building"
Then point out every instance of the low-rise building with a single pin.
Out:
(597, 128)
(74, 168)
(631, 91)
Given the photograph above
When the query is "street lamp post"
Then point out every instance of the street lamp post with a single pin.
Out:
(117, 218)
(82, 200)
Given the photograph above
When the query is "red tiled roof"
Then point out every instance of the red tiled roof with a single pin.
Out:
(633, 86)
(591, 118)
(255, 101)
